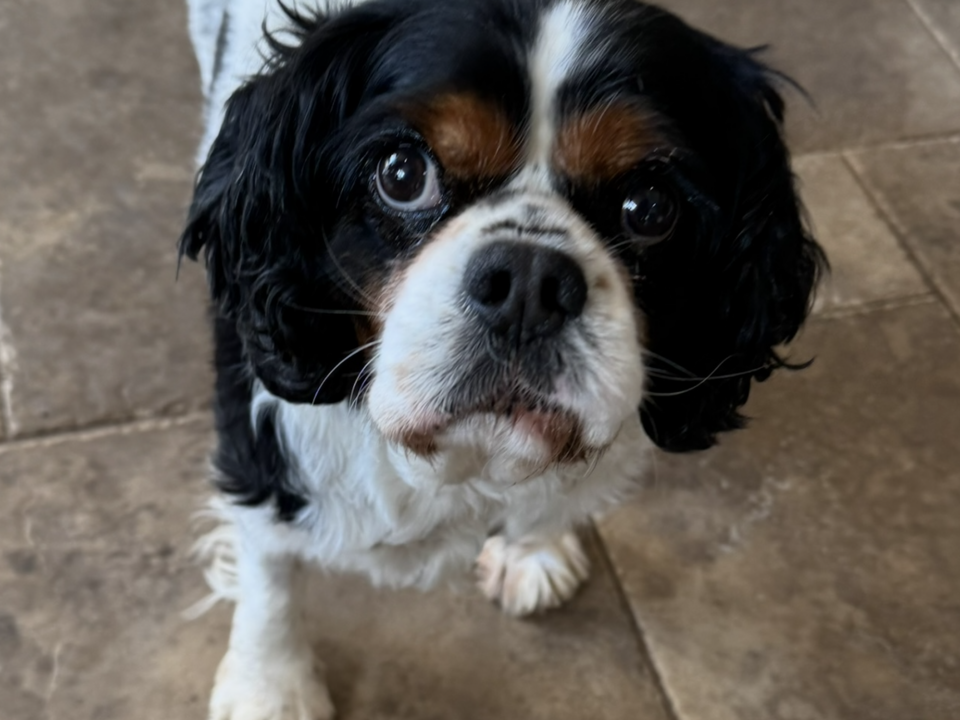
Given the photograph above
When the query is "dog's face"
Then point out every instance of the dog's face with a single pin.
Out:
(508, 224)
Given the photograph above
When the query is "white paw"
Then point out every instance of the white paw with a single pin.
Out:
(531, 575)
(285, 690)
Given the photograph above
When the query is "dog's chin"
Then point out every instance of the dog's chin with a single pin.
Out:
(538, 434)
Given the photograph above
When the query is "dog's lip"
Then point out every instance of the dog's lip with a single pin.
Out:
(555, 430)
(533, 414)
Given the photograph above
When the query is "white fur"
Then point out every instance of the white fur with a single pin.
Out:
(416, 363)
(533, 574)
(268, 672)
(269, 685)
(560, 47)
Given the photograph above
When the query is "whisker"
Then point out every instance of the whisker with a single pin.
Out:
(677, 378)
(361, 294)
(353, 390)
(710, 376)
(334, 369)
(621, 245)
(321, 311)
(363, 387)
(682, 369)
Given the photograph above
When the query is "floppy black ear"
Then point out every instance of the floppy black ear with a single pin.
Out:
(721, 302)
(263, 206)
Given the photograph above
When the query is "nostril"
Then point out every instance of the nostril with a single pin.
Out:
(563, 290)
(572, 294)
(495, 288)
(550, 295)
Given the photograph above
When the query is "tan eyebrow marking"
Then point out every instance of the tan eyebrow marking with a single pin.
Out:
(471, 137)
(605, 142)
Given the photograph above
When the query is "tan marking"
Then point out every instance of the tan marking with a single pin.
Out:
(368, 330)
(471, 137)
(421, 444)
(639, 316)
(643, 327)
(386, 292)
(561, 431)
(605, 142)
(640, 320)
(368, 323)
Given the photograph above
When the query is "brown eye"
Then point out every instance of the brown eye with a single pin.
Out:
(650, 214)
(407, 180)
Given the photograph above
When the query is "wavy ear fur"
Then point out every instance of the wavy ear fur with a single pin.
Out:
(264, 205)
(719, 308)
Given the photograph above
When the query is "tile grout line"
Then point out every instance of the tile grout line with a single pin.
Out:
(952, 137)
(931, 27)
(7, 422)
(88, 434)
(902, 236)
(646, 653)
(927, 297)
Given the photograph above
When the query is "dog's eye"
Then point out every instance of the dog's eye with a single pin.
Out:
(650, 214)
(407, 180)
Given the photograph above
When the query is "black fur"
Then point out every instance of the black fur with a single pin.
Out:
(722, 296)
(264, 209)
(251, 463)
(283, 212)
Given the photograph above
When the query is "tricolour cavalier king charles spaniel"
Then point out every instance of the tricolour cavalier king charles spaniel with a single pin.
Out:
(471, 260)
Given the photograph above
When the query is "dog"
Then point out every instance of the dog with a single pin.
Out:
(470, 262)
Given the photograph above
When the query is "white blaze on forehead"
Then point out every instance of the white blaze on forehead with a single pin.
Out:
(558, 51)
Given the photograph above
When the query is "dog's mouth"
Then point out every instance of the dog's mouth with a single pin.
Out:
(511, 407)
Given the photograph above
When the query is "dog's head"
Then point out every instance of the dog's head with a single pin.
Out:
(509, 223)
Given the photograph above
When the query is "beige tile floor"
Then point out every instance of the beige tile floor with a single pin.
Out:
(808, 569)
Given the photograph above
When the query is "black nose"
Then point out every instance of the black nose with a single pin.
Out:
(524, 291)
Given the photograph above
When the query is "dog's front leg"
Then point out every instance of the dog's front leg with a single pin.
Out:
(268, 672)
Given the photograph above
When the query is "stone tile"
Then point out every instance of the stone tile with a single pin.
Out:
(872, 68)
(101, 116)
(867, 263)
(405, 655)
(94, 574)
(808, 567)
(94, 536)
(943, 19)
(919, 187)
